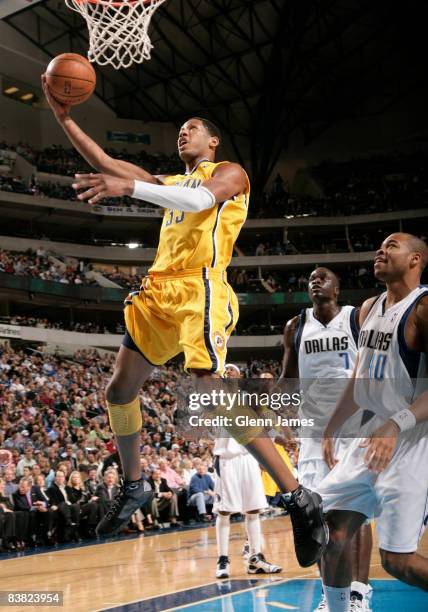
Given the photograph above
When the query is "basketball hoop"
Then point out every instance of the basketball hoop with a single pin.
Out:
(118, 30)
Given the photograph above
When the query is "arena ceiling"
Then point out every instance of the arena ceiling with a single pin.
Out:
(258, 68)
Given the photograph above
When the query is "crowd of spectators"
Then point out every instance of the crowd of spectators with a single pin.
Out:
(55, 190)
(382, 182)
(87, 327)
(7, 160)
(364, 185)
(127, 281)
(67, 161)
(299, 242)
(59, 469)
(356, 276)
(35, 265)
(40, 264)
(16, 184)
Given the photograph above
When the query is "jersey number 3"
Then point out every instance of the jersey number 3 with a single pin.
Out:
(178, 218)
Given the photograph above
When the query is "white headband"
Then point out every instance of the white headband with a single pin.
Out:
(233, 366)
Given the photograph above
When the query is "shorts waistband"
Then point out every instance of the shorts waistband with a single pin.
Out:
(207, 273)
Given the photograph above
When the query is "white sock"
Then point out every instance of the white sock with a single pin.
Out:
(222, 531)
(338, 598)
(254, 533)
(360, 588)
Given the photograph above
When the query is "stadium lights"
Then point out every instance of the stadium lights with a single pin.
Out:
(133, 245)
(11, 90)
(27, 97)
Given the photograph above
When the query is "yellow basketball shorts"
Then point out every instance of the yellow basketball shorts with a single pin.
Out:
(190, 311)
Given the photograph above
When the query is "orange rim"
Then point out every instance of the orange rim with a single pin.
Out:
(116, 3)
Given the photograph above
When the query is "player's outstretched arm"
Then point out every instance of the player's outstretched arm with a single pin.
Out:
(89, 149)
(229, 180)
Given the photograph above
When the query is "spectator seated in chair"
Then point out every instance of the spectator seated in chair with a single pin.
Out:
(164, 499)
(201, 492)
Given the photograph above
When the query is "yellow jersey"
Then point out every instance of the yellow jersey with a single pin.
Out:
(203, 239)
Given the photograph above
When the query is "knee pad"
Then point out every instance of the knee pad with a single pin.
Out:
(125, 419)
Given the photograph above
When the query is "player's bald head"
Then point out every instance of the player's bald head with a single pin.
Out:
(417, 245)
(414, 245)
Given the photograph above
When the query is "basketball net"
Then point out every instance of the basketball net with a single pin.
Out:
(118, 31)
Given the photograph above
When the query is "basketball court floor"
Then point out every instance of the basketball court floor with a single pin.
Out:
(175, 571)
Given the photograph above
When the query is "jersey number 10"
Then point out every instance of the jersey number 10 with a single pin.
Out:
(377, 366)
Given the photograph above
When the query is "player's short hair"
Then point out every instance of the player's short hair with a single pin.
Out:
(336, 278)
(211, 127)
(417, 245)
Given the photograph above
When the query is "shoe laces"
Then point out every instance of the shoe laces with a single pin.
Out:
(356, 605)
(116, 505)
(222, 562)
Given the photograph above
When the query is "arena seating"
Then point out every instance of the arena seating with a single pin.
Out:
(54, 421)
(366, 185)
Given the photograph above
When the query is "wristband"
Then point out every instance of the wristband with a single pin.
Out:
(405, 419)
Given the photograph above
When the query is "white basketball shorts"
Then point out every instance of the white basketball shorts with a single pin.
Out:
(239, 487)
(311, 467)
(397, 497)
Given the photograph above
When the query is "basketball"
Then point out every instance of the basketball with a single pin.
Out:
(71, 78)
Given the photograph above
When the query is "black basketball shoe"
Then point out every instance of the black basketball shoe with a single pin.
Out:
(223, 567)
(309, 526)
(133, 496)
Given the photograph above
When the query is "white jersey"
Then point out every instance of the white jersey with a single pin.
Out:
(325, 353)
(389, 378)
(390, 375)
